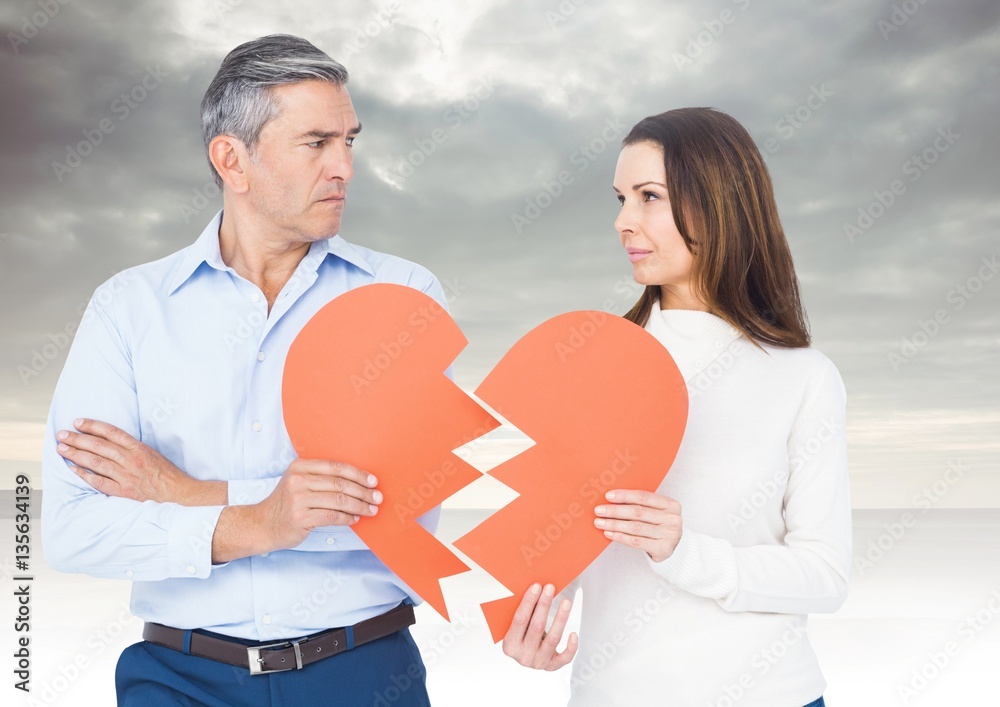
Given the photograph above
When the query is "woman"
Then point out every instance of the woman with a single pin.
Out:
(703, 596)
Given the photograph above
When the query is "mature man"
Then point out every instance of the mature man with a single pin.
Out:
(243, 563)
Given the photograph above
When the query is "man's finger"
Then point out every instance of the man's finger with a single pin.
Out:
(325, 467)
(90, 443)
(99, 483)
(93, 462)
(318, 482)
(109, 432)
(340, 501)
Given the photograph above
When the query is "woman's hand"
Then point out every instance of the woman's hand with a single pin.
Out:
(117, 464)
(527, 641)
(641, 519)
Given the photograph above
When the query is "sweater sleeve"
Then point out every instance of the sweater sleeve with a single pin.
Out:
(810, 571)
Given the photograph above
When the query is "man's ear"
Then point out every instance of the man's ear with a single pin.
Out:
(229, 156)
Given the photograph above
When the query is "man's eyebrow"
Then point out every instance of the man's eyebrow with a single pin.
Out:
(640, 186)
(327, 134)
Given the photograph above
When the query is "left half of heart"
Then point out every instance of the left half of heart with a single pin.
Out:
(364, 383)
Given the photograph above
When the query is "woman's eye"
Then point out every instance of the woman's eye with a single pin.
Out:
(621, 200)
(647, 195)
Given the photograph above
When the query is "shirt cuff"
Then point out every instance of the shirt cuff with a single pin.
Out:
(189, 541)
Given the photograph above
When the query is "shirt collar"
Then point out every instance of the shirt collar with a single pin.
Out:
(206, 250)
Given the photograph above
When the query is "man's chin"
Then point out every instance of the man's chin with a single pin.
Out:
(325, 227)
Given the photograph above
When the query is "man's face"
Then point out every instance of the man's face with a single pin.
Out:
(303, 162)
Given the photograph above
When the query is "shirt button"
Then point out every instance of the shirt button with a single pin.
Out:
(257, 427)
(330, 541)
(190, 569)
(255, 297)
(260, 355)
(128, 573)
(267, 618)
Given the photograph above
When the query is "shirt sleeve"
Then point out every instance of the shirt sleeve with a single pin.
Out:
(810, 572)
(84, 530)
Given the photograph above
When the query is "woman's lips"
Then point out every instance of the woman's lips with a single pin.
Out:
(635, 255)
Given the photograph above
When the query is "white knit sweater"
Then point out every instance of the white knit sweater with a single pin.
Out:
(761, 476)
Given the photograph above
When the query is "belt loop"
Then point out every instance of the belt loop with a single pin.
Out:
(186, 647)
(349, 632)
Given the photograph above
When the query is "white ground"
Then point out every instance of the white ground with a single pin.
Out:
(933, 586)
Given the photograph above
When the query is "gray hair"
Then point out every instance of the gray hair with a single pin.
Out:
(239, 101)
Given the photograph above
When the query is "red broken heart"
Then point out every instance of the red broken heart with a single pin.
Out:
(602, 399)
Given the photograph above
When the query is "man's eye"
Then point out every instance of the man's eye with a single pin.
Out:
(318, 143)
(350, 140)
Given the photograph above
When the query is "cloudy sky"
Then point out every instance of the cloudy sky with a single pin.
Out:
(846, 99)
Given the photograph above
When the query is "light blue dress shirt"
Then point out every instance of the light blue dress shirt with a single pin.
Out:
(182, 354)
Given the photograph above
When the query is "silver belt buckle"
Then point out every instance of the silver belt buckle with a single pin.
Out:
(257, 663)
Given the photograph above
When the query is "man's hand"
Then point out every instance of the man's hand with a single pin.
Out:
(643, 520)
(117, 464)
(528, 643)
(311, 493)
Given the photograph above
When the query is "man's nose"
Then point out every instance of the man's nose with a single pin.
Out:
(340, 163)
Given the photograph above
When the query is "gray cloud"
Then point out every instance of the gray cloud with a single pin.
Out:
(556, 79)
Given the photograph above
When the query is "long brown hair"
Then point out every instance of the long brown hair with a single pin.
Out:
(723, 204)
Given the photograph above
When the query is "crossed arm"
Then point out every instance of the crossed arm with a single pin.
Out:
(310, 494)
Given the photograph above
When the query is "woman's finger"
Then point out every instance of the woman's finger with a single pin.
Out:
(632, 527)
(642, 498)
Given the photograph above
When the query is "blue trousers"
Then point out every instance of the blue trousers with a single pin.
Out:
(387, 672)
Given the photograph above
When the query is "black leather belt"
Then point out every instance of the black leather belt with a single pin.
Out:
(283, 655)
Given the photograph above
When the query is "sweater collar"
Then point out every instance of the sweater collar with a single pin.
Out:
(694, 339)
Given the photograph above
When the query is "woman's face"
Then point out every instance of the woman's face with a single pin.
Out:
(645, 223)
